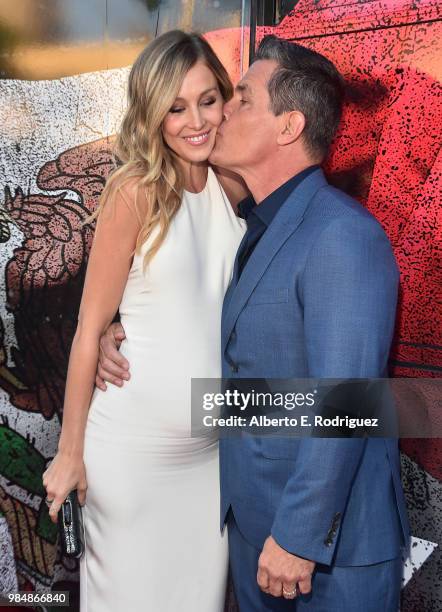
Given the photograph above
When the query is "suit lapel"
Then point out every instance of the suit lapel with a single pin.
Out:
(282, 227)
(236, 264)
(232, 285)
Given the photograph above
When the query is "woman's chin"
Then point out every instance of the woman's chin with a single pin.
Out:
(197, 156)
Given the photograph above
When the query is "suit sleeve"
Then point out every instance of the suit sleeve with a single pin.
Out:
(349, 291)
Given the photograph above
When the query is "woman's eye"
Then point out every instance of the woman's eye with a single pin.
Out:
(176, 110)
(209, 102)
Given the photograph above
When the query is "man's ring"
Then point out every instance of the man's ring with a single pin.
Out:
(49, 501)
(291, 593)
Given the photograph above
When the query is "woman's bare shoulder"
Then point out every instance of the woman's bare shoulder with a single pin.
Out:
(129, 199)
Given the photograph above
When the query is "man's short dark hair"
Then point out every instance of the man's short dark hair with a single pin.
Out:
(308, 82)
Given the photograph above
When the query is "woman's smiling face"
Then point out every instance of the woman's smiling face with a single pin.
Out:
(190, 126)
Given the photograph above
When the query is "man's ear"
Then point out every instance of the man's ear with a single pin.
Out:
(292, 126)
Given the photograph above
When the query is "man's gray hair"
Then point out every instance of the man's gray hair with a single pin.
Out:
(308, 82)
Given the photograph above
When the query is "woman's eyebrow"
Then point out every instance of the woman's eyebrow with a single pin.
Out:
(203, 93)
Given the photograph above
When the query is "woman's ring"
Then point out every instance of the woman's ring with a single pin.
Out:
(49, 501)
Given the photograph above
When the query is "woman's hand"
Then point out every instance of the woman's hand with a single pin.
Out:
(64, 474)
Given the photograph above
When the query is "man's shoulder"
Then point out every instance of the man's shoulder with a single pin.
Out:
(339, 227)
(333, 202)
(331, 206)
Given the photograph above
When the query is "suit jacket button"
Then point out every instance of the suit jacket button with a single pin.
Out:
(328, 542)
(233, 335)
(234, 368)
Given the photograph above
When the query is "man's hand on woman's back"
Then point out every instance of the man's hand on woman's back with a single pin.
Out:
(112, 366)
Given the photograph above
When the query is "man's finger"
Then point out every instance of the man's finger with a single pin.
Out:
(99, 382)
(262, 578)
(119, 335)
(275, 587)
(289, 590)
(110, 350)
(109, 368)
(106, 376)
(118, 331)
(110, 353)
(305, 584)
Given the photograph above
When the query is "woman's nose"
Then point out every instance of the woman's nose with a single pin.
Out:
(196, 119)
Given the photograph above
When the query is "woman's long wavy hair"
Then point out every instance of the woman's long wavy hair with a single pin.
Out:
(154, 83)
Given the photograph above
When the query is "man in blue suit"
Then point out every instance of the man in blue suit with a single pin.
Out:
(314, 524)
(313, 294)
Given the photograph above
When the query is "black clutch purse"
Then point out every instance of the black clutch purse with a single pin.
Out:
(70, 524)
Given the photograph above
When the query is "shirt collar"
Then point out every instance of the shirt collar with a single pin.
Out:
(245, 207)
(266, 211)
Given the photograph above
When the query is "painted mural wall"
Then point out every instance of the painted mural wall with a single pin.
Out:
(64, 68)
(62, 95)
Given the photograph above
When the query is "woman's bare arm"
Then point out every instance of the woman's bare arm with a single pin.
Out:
(108, 268)
(107, 272)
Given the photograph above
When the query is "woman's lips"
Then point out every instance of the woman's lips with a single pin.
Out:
(198, 140)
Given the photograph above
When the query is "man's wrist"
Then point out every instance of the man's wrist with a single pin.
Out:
(292, 552)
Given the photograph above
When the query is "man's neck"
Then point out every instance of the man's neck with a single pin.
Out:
(265, 180)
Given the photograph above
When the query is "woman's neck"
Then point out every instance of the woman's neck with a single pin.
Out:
(195, 175)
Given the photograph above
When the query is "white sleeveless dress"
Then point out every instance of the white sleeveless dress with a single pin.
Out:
(151, 517)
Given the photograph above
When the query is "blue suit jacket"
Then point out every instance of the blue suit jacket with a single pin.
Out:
(317, 298)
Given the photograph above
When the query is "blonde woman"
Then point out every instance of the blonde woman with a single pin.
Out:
(163, 253)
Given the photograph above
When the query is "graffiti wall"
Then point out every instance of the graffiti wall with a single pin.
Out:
(62, 95)
(64, 69)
